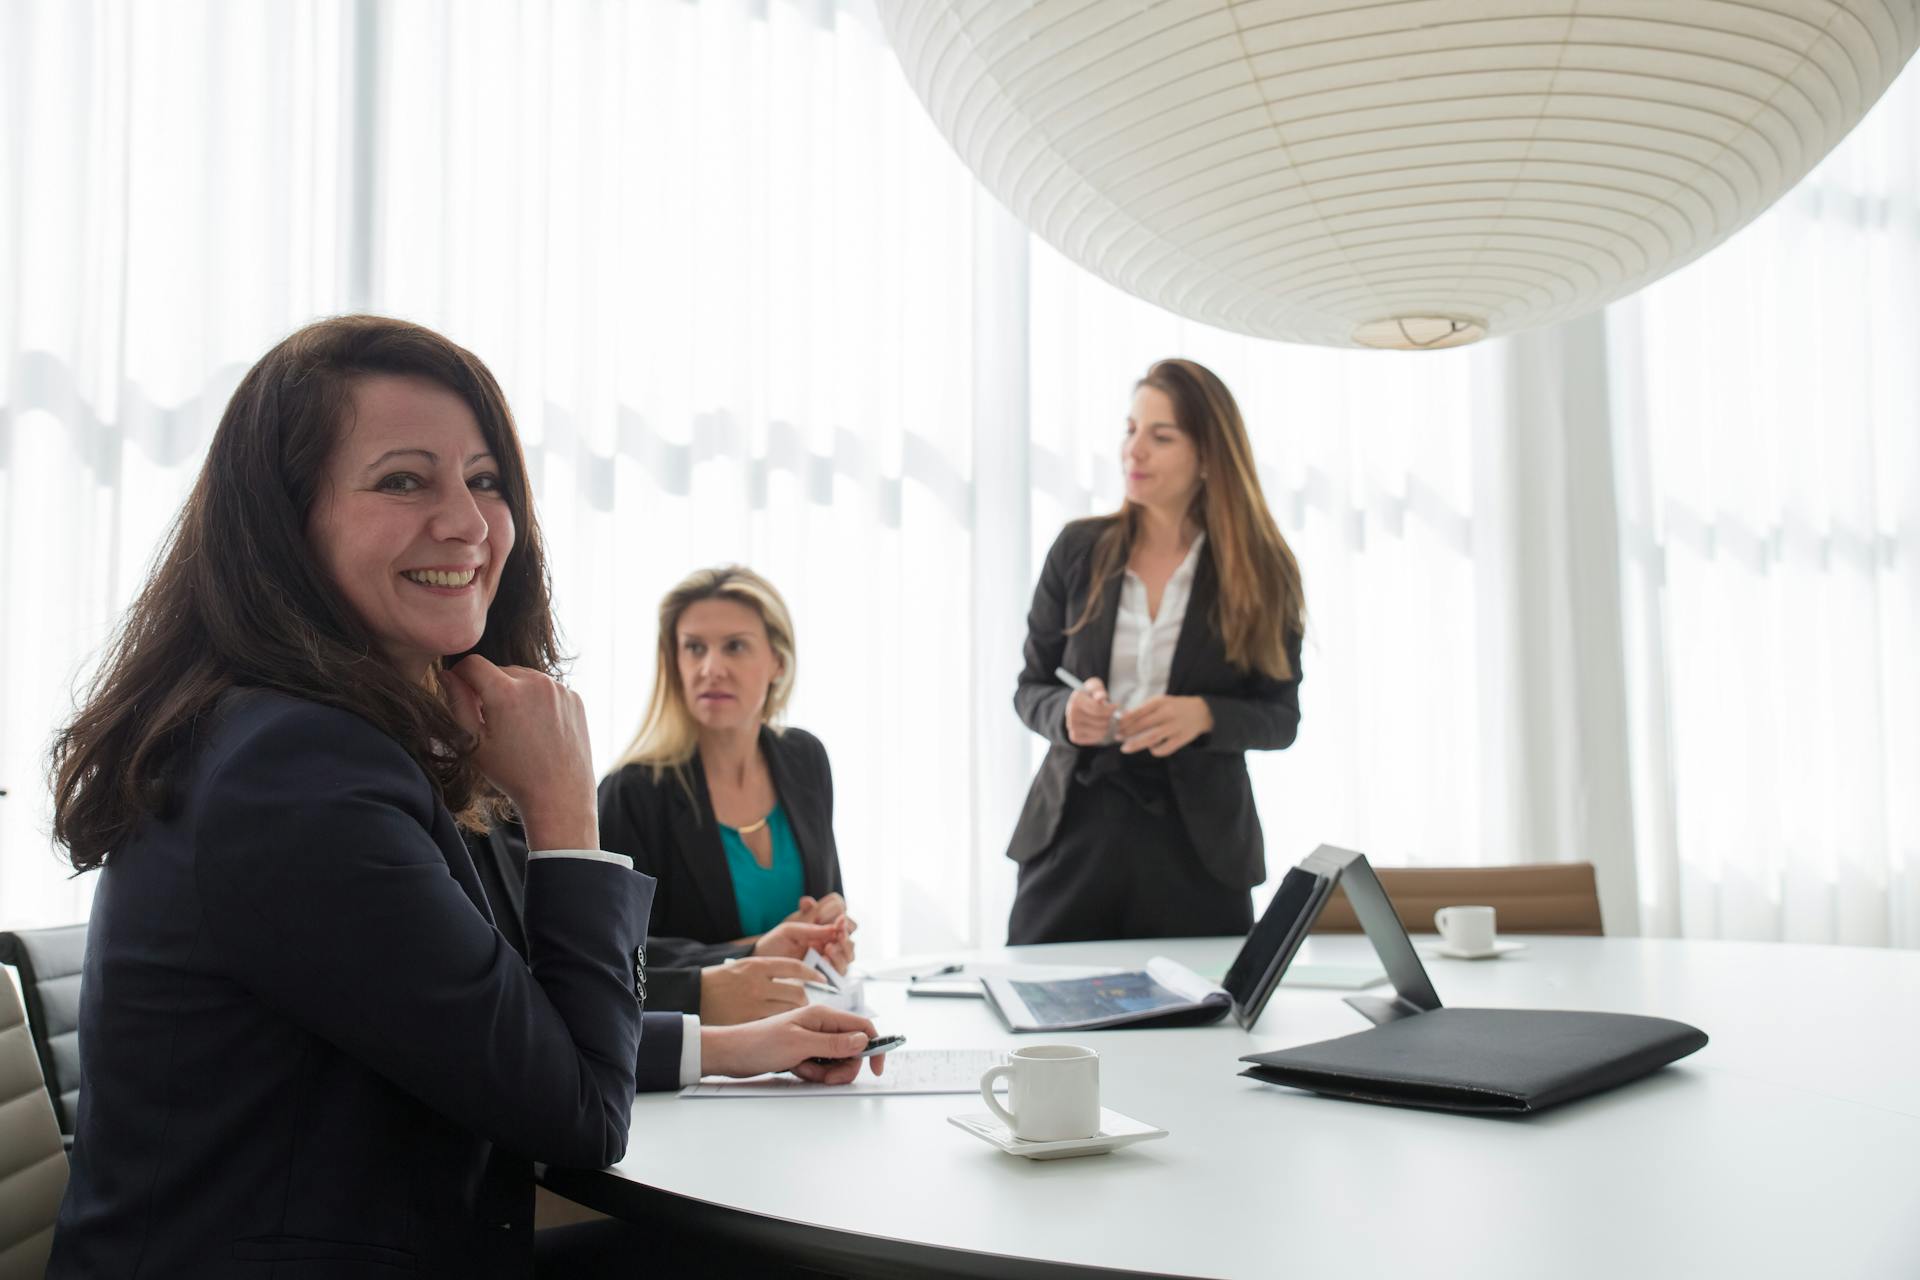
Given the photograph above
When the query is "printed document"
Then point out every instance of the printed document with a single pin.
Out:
(908, 1071)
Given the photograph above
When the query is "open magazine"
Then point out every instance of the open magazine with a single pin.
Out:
(1167, 993)
(1164, 994)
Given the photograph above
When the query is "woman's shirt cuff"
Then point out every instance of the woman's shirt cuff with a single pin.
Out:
(586, 855)
(689, 1049)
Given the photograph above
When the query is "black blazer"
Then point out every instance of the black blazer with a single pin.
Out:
(500, 856)
(304, 1046)
(675, 839)
(1251, 712)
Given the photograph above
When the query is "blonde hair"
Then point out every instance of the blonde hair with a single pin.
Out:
(1261, 602)
(669, 735)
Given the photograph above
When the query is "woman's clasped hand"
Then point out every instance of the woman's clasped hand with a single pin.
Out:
(1163, 725)
(1159, 726)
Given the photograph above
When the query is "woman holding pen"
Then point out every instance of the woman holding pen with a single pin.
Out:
(730, 811)
(1163, 643)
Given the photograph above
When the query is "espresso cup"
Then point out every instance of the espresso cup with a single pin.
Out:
(1053, 1092)
(1466, 929)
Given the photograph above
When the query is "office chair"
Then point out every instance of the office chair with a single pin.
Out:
(33, 1163)
(1539, 897)
(48, 961)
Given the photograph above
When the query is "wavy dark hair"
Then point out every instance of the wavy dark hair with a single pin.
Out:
(238, 598)
(1261, 601)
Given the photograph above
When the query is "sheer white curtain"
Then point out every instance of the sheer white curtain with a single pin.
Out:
(174, 197)
(747, 306)
(722, 266)
(1768, 401)
(720, 261)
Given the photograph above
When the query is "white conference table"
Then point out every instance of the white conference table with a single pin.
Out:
(1789, 1146)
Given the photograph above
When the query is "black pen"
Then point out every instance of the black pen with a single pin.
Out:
(937, 973)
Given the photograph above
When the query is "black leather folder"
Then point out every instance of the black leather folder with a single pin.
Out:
(1497, 1061)
(1422, 1054)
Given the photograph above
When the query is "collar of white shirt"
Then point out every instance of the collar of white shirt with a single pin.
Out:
(1142, 657)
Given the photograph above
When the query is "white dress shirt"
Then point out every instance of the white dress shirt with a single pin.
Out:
(690, 1025)
(1143, 643)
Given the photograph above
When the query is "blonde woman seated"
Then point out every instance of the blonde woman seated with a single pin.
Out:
(729, 812)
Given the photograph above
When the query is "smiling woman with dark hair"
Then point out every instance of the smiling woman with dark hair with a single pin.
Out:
(242, 598)
(305, 1045)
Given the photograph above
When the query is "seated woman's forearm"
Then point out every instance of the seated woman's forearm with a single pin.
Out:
(790, 1042)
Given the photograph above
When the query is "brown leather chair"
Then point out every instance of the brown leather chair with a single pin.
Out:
(33, 1164)
(1540, 897)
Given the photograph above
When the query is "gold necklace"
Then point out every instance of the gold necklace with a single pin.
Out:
(752, 827)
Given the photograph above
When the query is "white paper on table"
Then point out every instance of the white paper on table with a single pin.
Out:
(908, 1071)
(1039, 972)
(1014, 972)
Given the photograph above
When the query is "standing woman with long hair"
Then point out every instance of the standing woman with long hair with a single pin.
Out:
(1181, 615)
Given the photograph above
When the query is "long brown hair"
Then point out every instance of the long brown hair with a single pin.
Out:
(238, 598)
(1260, 603)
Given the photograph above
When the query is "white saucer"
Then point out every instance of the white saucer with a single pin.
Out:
(1499, 949)
(1116, 1131)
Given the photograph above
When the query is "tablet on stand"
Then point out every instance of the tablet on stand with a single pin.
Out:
(1276, 939)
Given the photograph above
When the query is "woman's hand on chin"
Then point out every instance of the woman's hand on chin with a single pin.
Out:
(790, 1042)
(531, 742)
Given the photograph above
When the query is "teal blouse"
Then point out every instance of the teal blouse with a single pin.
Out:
(765, 895)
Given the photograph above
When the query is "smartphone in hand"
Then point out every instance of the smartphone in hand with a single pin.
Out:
(878, 1045)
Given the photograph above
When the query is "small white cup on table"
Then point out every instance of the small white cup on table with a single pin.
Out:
(1053, 1092)
(1467, 930)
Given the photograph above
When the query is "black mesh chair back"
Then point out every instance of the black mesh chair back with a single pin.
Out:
(49, 962)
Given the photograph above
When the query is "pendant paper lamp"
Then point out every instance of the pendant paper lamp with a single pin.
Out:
(1407, 173)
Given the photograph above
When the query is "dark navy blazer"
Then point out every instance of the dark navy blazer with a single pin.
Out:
(1251, 711)
(305, 1048)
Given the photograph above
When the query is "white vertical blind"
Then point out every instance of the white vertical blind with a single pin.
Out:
(1768, 424)
(172, 202)
(724, 271)
(748, 306)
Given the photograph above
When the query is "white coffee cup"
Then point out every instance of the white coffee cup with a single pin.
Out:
(1053, 1092)
(1468, 930)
